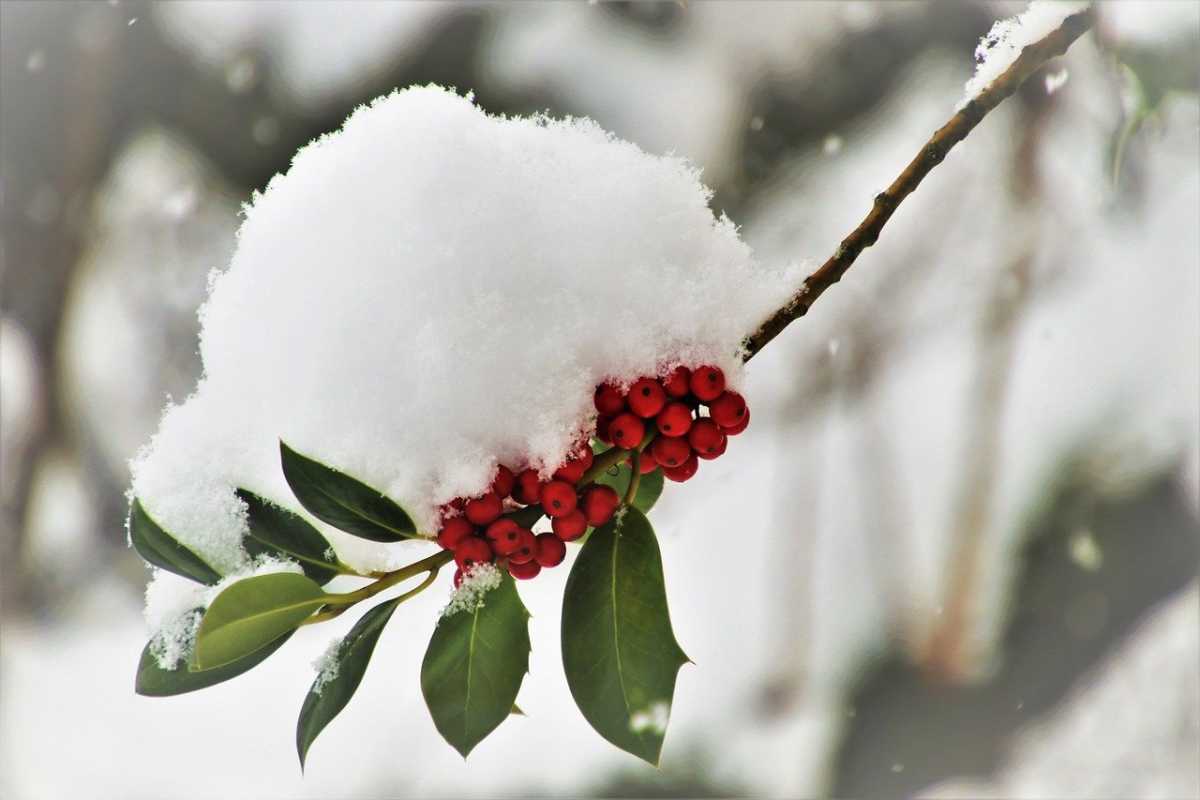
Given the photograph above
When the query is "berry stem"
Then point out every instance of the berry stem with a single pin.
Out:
(609, 458)
(338, 603)
(635, 475)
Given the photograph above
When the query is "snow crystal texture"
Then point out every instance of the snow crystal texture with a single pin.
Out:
(431, 291)
(998, 50)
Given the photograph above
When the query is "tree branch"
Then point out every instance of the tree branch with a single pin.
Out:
(931, 154)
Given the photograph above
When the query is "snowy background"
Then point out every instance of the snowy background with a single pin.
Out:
(955, 555)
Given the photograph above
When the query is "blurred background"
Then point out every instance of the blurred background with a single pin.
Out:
(955, 556)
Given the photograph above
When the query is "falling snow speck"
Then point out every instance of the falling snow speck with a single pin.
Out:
(1056, 80)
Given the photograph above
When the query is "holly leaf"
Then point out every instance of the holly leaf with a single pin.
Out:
(344, 502)
(154, 681)
(251, 614)
(650, 487)
(329, 694)
(162, 550)
(474, 666)
(278, 532)
(619, 651)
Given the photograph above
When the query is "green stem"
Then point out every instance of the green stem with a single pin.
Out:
(429, 564)
(602, 463)
(635, 476)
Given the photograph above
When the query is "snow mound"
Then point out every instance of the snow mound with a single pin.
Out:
(431, 291)
(997, 51)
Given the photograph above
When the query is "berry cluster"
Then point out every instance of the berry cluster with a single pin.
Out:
(486, 531)
(660, 418)
(670, 411)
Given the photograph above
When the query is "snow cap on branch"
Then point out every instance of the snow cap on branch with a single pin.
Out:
(431, 291)
(997, 51)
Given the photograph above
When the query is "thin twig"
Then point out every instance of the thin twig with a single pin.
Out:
(931, 154)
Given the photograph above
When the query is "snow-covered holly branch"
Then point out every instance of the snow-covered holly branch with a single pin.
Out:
(442, 326)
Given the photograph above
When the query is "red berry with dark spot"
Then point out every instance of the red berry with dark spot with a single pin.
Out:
(550, 550)
(609, 399)
(599, 503)
(503, 483)
(741, 426)
(558, 498)
(674, 420)
(603, 423)
(526, 547)
(483, 509)
(627, 430)
(472, 550)
(569, 527)
(646, 462)
(452, 532)
(573, 470)
(706, 438)
(707, 383)
(676, 384)
(524, 572)
(646, 398)
(728, 409)
(684, 471)
(528, 487)
(670, 452)
(503, 534)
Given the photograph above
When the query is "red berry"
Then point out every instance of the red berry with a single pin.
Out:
(470, 551)
(452, 532)
(741, 426)
(503, 536)
(674, 420)
(609, 399)
(728, 409)
(458, 576)
(670, 452)
(647, 463)
(676, 384)
(528, 487)
(483, 509)
(684, 471)
(524, 572)
(599, 504)
(569, 527)
(627, 430)
(558, 498)
(646, 398)
(526, 547)
(707, 383)
(706, 438)
(503, 483)
(603, 423)
(573, 470)
(550, 550)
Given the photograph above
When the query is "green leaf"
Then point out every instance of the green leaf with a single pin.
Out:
(650, 487)
(474, 666)
(162, 550)
(154, 681)
(278, 532)
(327, 698)
(619, 651)
(251, 614)
(344, 502)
